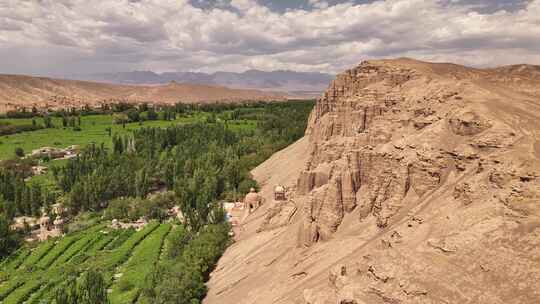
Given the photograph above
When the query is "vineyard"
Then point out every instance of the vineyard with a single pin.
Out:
(124, 257)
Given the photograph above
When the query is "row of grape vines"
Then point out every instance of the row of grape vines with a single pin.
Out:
(31, 275)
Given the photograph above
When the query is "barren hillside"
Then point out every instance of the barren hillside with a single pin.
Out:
(415, 183)
(17, 91)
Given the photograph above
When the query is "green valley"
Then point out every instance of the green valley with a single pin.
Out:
(136, 215)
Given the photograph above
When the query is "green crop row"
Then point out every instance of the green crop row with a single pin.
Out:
(121, 254)
(87, 237)
(8, 287)
(38, 253)
(122, 237)
(15, 260)
(90, 250)
(103, 242)
(139, 265)
(51, 262)
(40, 295)
(61, 246)
(22, 293)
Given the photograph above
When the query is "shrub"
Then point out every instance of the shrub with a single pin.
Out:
(151, 114)
(125, 285)
(19, 152)
(133, 115)
(247, 184)
(118, 209)
(120, 118)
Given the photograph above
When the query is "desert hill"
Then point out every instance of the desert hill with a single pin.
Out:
(17, 91)
(294, 83)
(415, 182)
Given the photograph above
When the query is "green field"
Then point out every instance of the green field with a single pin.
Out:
(198, 159)
(128, 254)
(94, 130)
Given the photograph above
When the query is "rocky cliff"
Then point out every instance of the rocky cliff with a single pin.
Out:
(416, 183)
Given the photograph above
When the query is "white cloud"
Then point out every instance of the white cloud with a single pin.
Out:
(68, 36)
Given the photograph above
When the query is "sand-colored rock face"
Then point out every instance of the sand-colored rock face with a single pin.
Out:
(415, 183)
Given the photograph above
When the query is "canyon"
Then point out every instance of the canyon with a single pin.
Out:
(415, 182)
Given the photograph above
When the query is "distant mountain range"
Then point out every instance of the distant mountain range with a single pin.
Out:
(290, 82)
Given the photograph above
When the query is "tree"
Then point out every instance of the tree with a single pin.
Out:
(120, 118)
(9, 239)
(67, 292)
(92, 289)
(48, 122)
(178, 239)
(19, 152)
(133, 115)
(7, 208)
(143, 107)
(183, 285)
(211, 118)
(152, 115)
(89, 289)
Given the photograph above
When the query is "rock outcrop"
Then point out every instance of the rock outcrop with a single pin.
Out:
(420, 184)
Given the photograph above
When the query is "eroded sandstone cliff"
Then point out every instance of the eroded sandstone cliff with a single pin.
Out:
(415, 183)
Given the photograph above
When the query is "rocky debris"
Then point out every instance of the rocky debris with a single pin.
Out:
(338, 276)
(468, 124)
(381, 272)
(300, 274)
(441, 245)
(413, 290)
(311, 296)
(278, 215)
(463, 192)
(347, 296)
(500, 178)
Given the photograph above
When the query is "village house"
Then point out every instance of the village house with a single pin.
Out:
(19, 223)
(279, 193)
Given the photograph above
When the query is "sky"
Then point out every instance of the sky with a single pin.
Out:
(67, 37)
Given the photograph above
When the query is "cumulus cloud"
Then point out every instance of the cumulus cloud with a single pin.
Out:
(81, 36)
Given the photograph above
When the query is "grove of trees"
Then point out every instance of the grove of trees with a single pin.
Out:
(144, 173)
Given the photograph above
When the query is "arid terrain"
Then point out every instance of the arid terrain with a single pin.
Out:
(293, 83)
(415, 182)
(18, 91)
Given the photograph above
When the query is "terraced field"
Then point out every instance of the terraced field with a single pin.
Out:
(124, 257)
